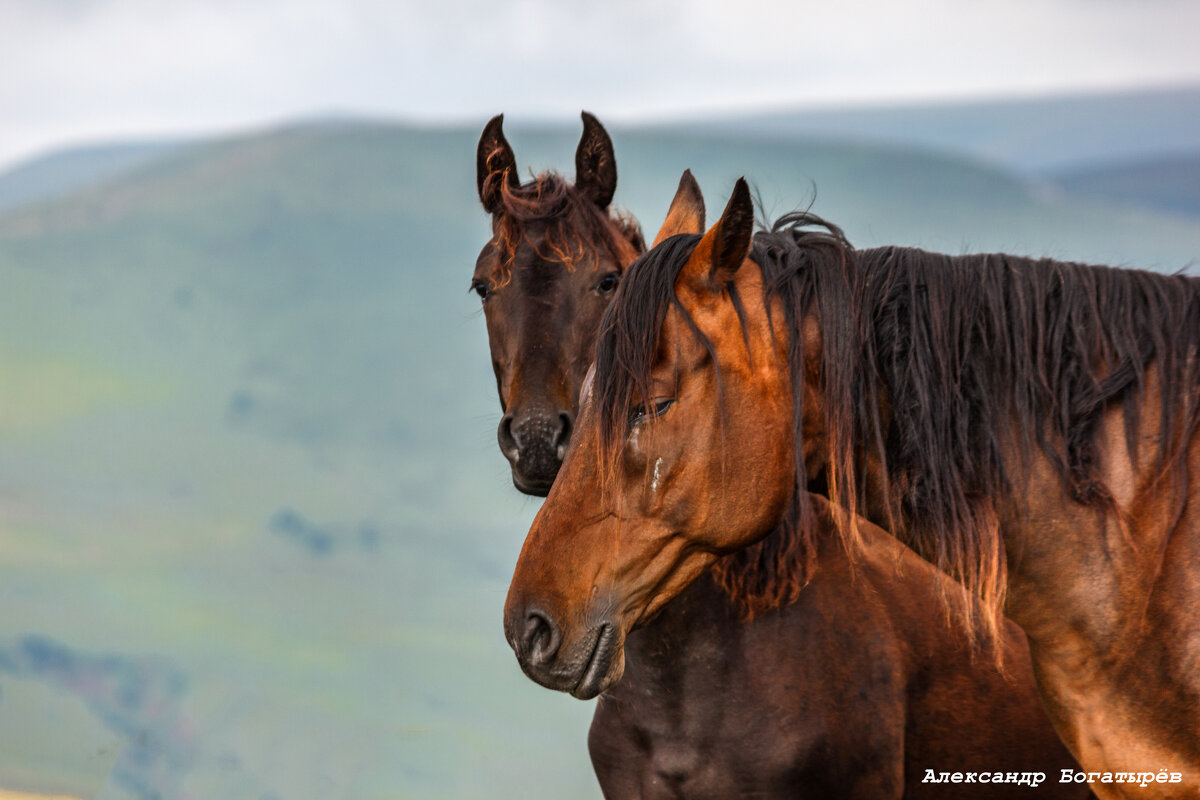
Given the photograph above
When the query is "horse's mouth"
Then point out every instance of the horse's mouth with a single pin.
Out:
(595, 678)
(537, 487)
(534, 467)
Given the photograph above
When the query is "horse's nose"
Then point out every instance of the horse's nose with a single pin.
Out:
(536, 639)
(533, 429)
(534, 444)
(563, 437)
(508, 442)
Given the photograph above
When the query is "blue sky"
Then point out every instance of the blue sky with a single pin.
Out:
(86, 70)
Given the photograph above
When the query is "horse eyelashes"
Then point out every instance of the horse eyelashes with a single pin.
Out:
(607, 284)
(640, 414)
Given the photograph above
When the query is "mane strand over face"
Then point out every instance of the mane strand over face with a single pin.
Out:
(572, 220)
(627, 343)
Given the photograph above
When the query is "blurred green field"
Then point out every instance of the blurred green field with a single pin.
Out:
(256, 529)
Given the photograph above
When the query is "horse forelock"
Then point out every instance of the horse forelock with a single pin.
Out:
(573, 224)
(629, 331)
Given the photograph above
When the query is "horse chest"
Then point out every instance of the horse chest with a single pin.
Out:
(690, 718)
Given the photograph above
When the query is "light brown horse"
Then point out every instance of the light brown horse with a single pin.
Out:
(1029, 426)
(760, 680)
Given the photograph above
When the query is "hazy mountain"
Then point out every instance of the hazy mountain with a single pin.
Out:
(1039, 137)
(1166, 183)
(257, 528)
(60, 172)
(1030, 135)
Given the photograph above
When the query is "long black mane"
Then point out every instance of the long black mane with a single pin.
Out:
(951, 372)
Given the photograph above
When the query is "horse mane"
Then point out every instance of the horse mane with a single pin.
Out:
(574, 223)
(987, 361)
(953, 372)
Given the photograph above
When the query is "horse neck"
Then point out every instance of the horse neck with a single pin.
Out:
(690, 635)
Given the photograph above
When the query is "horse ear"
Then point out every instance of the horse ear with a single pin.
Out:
(726, 246)
(686, 214)
(595, 163)
(495, 164)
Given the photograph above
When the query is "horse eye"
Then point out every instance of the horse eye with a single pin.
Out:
(657, 409)
(480, 288)
(608, 283)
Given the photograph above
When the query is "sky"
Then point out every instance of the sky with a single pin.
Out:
(86, 71)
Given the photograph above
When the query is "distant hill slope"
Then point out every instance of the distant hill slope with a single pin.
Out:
(247, 449)
(64, 171)
(1167, 183)
(1031, 135)
(1036, 137)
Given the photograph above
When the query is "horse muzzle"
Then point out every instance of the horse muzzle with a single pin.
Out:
(535, 445)
(583, 666)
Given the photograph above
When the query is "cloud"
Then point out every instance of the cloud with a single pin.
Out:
(87, 68)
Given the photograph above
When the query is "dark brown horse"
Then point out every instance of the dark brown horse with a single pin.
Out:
(554, 260)
(1032, 427)
(858, 689)
(852, 687)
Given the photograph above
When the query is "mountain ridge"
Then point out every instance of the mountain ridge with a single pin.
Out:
(1033, 136)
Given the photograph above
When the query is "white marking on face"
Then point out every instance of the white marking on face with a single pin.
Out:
(585, 391)
(654, 479)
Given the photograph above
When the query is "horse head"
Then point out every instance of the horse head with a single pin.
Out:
(545, 277)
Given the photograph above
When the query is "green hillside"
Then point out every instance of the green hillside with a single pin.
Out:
(257, 529)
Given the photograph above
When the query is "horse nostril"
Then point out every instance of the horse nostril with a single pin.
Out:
(563, 437)
(541, 637)
(508, 442)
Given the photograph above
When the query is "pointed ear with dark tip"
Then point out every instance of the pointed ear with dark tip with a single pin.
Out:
(495, 160)
(726, 245)
(686, 214)
(595, 163)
